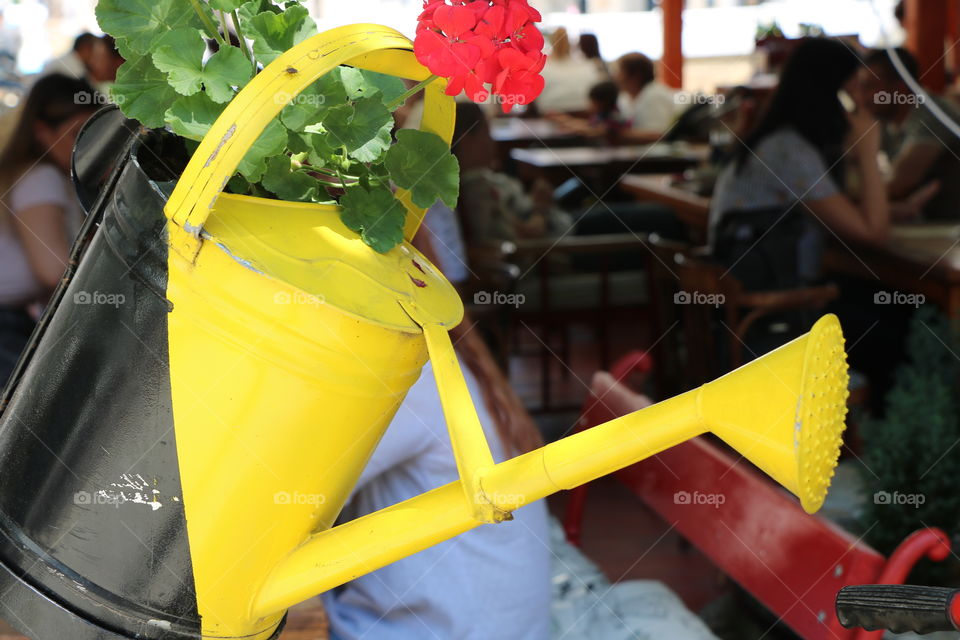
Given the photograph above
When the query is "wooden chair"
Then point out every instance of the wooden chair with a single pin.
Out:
(695, 276)
(791, 562)
(555, 297)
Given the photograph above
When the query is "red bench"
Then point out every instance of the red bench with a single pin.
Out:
(749, 527)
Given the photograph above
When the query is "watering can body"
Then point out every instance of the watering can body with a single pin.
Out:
(215, 372)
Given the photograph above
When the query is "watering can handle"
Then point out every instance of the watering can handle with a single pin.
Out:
(366, 46)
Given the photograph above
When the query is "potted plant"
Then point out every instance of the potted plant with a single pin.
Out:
(333, 142)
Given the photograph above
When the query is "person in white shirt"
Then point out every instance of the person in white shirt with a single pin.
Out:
(490, 582)
(568, 78)
(39, 212)
(80, 62)
(649, 106)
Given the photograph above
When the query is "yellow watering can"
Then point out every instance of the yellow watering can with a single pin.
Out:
(219, 369)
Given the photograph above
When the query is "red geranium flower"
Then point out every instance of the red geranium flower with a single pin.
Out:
(474, 43)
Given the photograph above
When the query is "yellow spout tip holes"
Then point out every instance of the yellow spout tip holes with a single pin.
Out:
(821, 411)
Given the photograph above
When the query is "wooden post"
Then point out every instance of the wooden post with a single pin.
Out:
(926, 24)
(671, 64)
(953, 35)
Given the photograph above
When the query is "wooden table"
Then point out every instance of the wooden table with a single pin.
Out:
(528, 130)
(918, 259)
(589, 163)
(692, 208)
(522, 133)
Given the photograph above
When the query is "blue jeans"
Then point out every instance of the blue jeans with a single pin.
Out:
(15, 329)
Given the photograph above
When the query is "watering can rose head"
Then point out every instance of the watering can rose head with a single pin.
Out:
(479, 43)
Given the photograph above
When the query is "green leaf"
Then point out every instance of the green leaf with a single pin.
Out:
(391, 87)
(179, 54)
(226, 69)
(311, 106)
(271, 142)
(422, 163)
(226, 5)
(363, 128)
(273, 34)
(125, 49)
(360, 83)
(297, 143)
(316, 146)
(192, 116)
(376, 215)
(238, 184)
(142, 92)
(295, 186)
(250, 9)
(141, 23)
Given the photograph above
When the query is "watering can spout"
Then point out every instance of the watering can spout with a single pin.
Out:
(792, 431)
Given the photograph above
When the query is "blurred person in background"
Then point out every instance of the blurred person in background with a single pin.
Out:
(792, 161)
(649, 106)
(82, 61)
(568, 77)
(923, 151)
(589, 46)
(40, 215)
(604, 120)
(106, 66)
(783, 192)
(494, 207)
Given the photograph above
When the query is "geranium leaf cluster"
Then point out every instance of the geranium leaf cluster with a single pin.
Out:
(332, 143)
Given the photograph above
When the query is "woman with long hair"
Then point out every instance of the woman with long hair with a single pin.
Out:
(783, 194)
(785, 184)
(39, 212)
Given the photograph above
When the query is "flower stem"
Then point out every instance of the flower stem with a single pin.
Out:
(243, 41)
(207, 22)
(223, 26)
(343, 183)
(396, 102)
